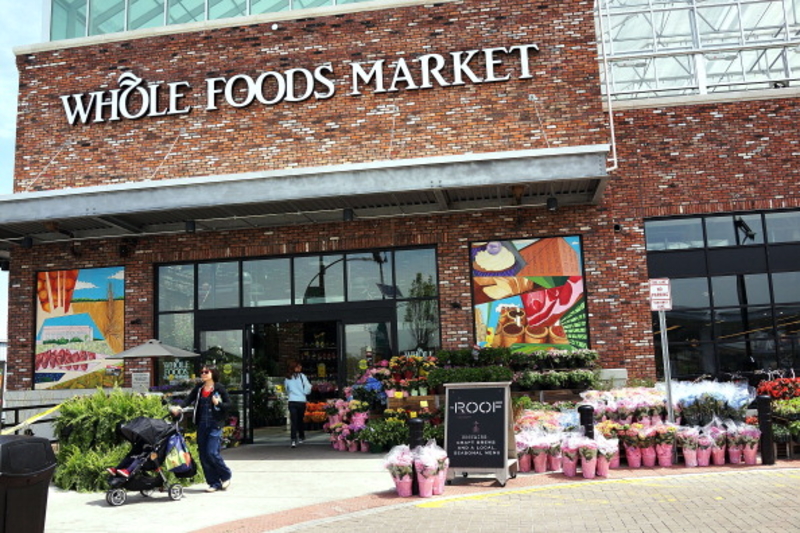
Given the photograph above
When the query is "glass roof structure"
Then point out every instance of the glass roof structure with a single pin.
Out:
(658, 48)
(646, 48)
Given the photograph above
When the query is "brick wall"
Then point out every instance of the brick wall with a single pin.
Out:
(404, 124)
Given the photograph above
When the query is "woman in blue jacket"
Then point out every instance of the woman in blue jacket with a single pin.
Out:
(297, 388)
(209, 403)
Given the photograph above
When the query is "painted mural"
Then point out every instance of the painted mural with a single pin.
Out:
(79, 323)
(529, 294)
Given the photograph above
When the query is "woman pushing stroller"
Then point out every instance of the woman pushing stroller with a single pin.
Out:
(209, 403)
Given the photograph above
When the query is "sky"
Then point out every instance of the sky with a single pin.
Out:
(21, 23)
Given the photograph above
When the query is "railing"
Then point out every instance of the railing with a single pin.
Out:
(26, 429)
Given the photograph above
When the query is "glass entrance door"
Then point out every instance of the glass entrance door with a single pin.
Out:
(364, 344)
(225, 349)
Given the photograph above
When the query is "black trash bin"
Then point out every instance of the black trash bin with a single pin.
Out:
(26, 467)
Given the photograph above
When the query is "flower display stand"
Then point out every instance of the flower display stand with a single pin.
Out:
(412, 403)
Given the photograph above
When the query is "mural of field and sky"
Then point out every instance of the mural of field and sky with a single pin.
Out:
(79, 322)
(529, 294)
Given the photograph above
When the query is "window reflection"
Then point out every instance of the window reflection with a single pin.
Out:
(319, 279)
(369, 276)
(176, 288)
(689, 292)
(674, 234)
(267, 282)
(218, 285)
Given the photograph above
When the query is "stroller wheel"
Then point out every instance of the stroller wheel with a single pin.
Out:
(175, 492)
(116, 497)
(147, 492)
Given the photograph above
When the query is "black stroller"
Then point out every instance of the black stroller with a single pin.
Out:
(156, 444)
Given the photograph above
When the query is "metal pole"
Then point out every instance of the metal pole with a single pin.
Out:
(586, 415)
(764, 406)
(415, 438)
(662, 325)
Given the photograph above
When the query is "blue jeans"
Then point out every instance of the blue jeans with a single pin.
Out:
(209, 444)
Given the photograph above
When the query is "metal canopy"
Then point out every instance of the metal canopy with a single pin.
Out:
(573, 175)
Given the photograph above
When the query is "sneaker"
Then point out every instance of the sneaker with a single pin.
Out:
(112, 471)
(123, 472)
(212, 488)
(294, 444)
(301, 441)
(226, 484)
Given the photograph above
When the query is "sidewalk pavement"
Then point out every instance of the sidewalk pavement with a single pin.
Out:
(314, 488)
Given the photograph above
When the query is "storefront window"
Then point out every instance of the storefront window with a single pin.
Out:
(369, 276)
(752, 289)
(176, 288)
(411, 264)
(691, 293)
(145, 14)
(739, 230)
(319, 279)
(783, 227)
(177, 329)
(304, 4)
(267, 282)
(674, 234)
(418, 325)
(218, 285)
(787, 287)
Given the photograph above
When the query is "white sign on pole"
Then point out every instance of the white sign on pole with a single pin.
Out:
(660, 295)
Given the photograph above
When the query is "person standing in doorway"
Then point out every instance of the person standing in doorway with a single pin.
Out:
(209, 403)
(297, 389)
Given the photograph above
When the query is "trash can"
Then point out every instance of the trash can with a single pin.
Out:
(26, 467)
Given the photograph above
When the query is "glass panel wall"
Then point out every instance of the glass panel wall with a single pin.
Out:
(145, 14)
(218, 285)
(743, 317)
(68, 17)
(176, 288)
(267, 282)
(369, 276)
(319, 279)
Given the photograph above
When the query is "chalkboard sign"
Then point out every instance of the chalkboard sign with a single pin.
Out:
(478, 429)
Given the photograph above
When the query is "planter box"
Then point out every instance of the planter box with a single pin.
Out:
(561, 395)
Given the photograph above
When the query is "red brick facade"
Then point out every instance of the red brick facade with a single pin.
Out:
(675, 160)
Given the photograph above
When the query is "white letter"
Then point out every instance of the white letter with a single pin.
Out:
(111, 103)
(402, 74)
(460, 66)
(211, 87)
(523, 58)
(174, 96)
(324, 81)
(376, 72)
(79, 111)
(154, 112)
(281, 89)
(491, 61)
(428, 71)
(290, 96)
(230, 86)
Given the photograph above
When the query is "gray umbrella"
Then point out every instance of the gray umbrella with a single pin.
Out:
(153, 348)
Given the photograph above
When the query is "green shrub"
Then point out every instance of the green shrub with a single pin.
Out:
(474, 358)
(440, 376)
(86, 428)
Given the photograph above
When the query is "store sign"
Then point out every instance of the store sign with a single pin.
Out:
(135, 98)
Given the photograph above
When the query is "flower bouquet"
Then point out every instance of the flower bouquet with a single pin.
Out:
(704, 445)
(569, 456)
(734, 445)
(749, 437)
(522, 440)
(427, 466)
(631, 435)
(665, 443)
(588, 453)
(400, 464)
(687, 440)
(719, 445)
(607, 450)
(647, 443)
(554, 452)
